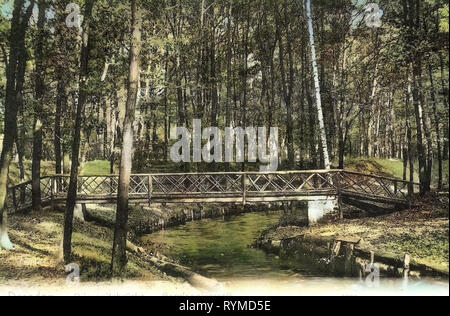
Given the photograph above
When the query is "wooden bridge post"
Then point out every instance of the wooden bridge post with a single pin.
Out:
(52, 190)
(339, 197)
(150, 189)
(244, 188)
(14, 198)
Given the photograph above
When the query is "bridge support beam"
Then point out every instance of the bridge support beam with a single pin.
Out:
(318, 209)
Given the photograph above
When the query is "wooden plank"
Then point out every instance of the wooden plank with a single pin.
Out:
(349, 240)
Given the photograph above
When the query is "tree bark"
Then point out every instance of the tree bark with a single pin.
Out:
(286, 83)
(19, 25)
(436, 127)
(323, 135)
(38, 108)
(82, 95)
(446, 106)
(61, 99)
(119, 258)
(423, 169)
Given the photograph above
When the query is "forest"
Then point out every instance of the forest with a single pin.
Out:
(107, 80)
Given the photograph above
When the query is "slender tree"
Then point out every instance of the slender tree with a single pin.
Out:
(38, 106)
(119, 258)
(436, 128)
(82, 95)
(323, 134)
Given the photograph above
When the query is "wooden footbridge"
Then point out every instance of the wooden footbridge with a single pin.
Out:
(235, 187)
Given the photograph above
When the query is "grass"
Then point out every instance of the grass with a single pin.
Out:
(96, 167)
(47, 168)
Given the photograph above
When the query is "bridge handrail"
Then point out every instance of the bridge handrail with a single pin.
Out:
(321, 171)
(284, 183)
(380, 177)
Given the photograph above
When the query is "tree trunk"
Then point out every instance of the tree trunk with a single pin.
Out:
(119, 258)
(61, 99)
(446, 106)
(229, 75)
(409, 101)
(436, 127)
(166, 105)
(38, 108)
(423, 169)
(19, 25)
(323, 135)
(82, 95)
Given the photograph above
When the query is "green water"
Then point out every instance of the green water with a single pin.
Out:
(219, 248)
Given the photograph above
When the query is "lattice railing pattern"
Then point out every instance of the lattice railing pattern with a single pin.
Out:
(20, 195)
(210, 185)
(197, 183)
(97, 185)
(375, 186)
(290, 182)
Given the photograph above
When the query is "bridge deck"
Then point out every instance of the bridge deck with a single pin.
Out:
(239, 187)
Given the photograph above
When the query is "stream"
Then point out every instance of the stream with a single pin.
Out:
(219, 248)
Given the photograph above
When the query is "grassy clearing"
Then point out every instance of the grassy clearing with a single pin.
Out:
(97, 167)
(47, 168)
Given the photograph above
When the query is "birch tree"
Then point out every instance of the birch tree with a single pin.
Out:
(323, 134)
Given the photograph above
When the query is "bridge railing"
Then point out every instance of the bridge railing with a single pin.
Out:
(375, 187)
(20, 196)
(231, 186)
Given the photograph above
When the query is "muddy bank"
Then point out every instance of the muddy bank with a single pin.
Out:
(415, 242)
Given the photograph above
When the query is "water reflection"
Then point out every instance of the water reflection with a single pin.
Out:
(219, 248)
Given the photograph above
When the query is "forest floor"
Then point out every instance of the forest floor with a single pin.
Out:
(422, 232)
(38, 250)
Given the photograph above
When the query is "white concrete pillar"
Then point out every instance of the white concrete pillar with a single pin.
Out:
(78, 212)
(319, 208)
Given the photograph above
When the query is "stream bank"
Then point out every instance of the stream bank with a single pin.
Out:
(413, 242)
